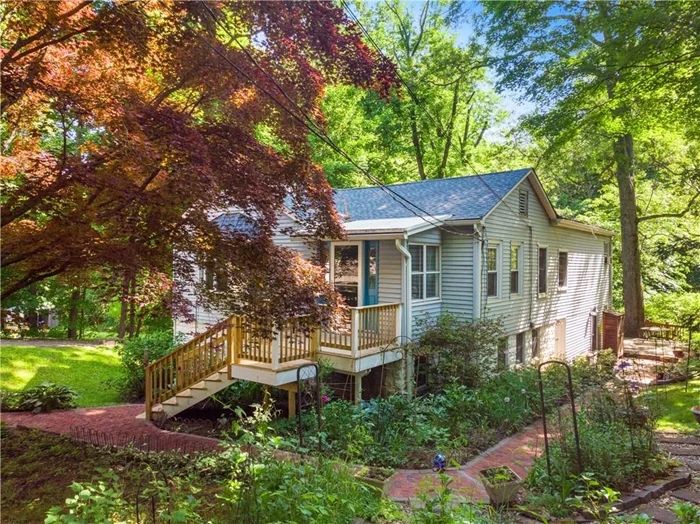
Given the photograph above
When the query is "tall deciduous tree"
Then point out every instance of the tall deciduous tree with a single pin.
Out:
(125, 124)
(436, 125)
(617, 72)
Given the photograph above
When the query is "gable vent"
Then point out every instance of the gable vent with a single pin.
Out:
(523, 203)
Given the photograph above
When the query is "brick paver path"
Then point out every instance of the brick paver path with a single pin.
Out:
(518, 452)
(113, 420)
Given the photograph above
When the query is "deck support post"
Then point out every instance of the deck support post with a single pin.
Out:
(354, 332)
(357, 395)
(291, 390)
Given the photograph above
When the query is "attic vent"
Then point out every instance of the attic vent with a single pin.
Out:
(523, 203)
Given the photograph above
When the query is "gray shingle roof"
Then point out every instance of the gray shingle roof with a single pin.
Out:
(236, 223)
(464, 198)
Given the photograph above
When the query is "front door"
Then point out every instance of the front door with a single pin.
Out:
(371, 272)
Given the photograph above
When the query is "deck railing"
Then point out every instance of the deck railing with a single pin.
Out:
(364, 328)
(237, 341)
(192, 362)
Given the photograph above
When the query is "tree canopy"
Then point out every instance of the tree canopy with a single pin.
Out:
(126, 125)
(616, 86)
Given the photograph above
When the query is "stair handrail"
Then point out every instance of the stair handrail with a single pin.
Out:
(183, 379)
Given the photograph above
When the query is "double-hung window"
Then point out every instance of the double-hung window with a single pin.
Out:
(563, 269)
(492, 271)
(515, 268)
(425, 271)
(519, 347)
(542, 270)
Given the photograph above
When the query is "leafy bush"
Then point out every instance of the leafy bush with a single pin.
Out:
(465, 351)
(132, 351)
(44, 397)
(101, 501)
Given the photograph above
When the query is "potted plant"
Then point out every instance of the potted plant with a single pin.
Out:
(375, 476)
(501, 483)
(695, 410)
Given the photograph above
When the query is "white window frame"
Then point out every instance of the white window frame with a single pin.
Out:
(566, 284)
(518, 245)
(546, 271)
(360, 268)
(425, 272)
(498, 246)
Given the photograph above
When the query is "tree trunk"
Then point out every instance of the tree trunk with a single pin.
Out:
(631, 266)
(416, 144)
(73, 314)
(124, 308)
(82, 313)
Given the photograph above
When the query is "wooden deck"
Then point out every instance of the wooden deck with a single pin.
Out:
(237, 349)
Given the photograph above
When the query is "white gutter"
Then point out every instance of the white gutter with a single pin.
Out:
(406, 289)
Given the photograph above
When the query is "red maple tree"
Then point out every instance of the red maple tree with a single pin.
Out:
(124, 124)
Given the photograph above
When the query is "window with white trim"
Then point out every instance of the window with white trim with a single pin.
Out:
(492, 271)
(515, 250)
(425, 271)
(563, 269)
(542, 270)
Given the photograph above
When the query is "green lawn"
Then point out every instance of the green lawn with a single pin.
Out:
(674, 407)
(84, 369)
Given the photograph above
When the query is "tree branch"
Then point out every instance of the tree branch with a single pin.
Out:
(680, 214)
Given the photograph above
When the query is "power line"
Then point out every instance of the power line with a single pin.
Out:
(414, 97)
(420, 104)
(317, 131)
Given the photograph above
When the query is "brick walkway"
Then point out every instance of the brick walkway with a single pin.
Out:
(112, 421)
(518, 452)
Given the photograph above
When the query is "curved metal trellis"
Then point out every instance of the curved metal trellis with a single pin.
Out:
(570, 387)
(308, 394)
(154, 497)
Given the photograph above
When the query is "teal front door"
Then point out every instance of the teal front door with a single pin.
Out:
(371, 270)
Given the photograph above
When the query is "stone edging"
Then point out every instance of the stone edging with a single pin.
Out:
(681, 477)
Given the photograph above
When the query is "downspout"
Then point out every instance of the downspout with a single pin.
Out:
(532, 279)
(405, 289)
(407, 328)
(477, 277)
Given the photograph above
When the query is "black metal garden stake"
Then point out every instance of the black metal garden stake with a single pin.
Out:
(573, 413)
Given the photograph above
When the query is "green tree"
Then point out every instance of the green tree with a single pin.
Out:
(617, 76)
(439, 120)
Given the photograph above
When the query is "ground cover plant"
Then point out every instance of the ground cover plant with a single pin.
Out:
(90, 484)
(87, 370)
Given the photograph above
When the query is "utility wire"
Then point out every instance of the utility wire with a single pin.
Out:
(311, 125)
(415, 99)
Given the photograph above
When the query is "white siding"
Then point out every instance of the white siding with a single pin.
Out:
(281, 238)
(458, 273)
(205, 318)
(390, 264)
(588, 276)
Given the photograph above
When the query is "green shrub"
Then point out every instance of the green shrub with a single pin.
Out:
(465, 351)
(44, 397)
(132, 352)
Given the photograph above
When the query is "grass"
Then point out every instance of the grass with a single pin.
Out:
(84, 369)
(674, 407)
